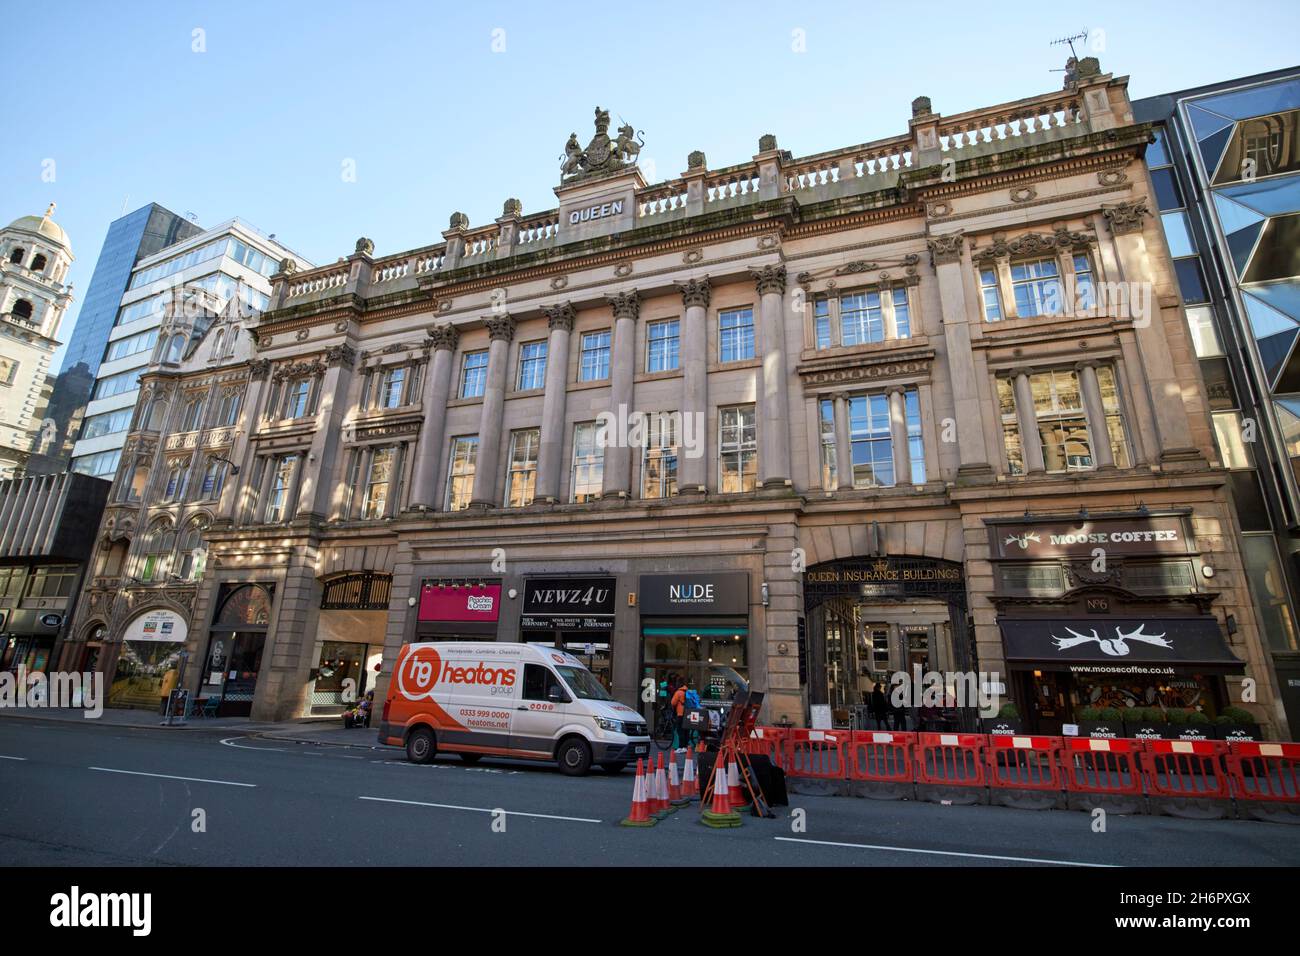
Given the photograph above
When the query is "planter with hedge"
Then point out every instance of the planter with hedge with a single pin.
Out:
(1006, 723)
(1103, 722)
(1145, 723)
(1234, 723)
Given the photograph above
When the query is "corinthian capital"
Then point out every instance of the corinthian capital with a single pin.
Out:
(560, 316)
(500, 327)
(768, 279)
(1126, 217)
(945, 248)
(626, 305)
(695, 292)
(443, 338)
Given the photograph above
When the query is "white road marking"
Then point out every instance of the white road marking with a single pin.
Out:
(452, 806)
(3, 757)
(168, 776)
(976, 856)
(269, 750)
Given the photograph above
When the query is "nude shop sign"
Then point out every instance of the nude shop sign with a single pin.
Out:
(1078, 539)
(723, 593)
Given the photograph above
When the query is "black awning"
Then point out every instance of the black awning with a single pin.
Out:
(1177, 641)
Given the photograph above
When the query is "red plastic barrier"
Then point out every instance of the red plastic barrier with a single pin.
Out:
(1264, 771)
(880, 756)
(950, 759)
(816, 753)
(1185, 768)
(1102, 765)
(1023, 762)
(767, 742)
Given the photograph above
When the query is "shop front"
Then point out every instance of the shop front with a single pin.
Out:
(458, 610)
(149, 659)
(349, 640)
(1104, 620)
(696, 627)
(1086, 670)
(574, 613)
(235, 644)
(27, 637)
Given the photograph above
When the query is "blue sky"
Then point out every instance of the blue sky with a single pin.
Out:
(437, 117)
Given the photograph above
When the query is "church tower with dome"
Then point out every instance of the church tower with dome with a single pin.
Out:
(35, 256)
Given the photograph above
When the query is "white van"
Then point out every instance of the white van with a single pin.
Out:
(510, 700)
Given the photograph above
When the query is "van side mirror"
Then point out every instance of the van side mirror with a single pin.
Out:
(557, 696)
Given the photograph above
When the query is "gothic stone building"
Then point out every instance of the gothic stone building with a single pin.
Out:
(134, 615)
(926, 401)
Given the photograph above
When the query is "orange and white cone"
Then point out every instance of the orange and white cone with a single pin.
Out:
(661, 807)
(640, 815)
(690, 786)
(676, 795)
(733, 786)
(721, 814)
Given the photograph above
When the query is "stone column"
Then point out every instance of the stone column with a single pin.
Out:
(622, 370)
(316, 484)
(549, 462)
(888, 321)
(898, 437)
(437, 389)
(947, 258)
(1031, 448)
(1173, 429)
(1027, 420)
(501, 329)
(241, 457)
(1093, 407)
(774, 427)
(692, 472)
(843, 444)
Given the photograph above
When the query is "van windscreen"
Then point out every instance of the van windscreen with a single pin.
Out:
(583, 683)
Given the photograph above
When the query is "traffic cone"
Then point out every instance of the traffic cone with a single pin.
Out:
(734, 788)
(661, 807)
(690, 787)
(640, 815)
(721, 815)
(675, 795)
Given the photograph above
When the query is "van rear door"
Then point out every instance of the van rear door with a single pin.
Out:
(538, 716)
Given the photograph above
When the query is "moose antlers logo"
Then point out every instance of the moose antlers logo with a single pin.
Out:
(1114, 646)
(1022, 539)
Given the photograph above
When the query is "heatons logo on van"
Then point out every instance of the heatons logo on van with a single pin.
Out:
(423, 670)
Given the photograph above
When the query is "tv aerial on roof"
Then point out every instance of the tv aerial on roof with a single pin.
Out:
(1069, 41)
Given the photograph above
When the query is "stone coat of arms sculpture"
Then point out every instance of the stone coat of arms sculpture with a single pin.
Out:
(601, 153)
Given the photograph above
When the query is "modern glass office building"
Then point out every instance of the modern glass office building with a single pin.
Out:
(1226, 169)
(135, 236)
(207, 268)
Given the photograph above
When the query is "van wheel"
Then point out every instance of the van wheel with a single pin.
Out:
(471, 758)
(574, 757)
(421, 746)
(616, 766)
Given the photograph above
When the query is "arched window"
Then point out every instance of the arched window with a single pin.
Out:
(175, 490)
(214, 477)
(194, 552)
(114, 558)
(16, 257)
(228, 412)
(139, 480)
(250, 604)
(230, 342)
(23, 309)
(38, 263)
(218, 342)
(176, 348)
(159, 544)
(193, 415)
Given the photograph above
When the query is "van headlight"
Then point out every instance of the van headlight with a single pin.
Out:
(604, 723)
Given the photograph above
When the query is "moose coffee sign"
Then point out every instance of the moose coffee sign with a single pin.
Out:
(1079, 539)
(1119, 642)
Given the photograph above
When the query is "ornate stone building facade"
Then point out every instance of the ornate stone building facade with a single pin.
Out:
(134, 616)
(809, 420)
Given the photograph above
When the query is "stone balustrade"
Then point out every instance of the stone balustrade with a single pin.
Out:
(856, 169)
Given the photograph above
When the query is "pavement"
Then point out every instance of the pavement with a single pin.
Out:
(77, 792)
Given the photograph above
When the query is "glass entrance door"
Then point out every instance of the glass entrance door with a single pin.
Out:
(233, 663)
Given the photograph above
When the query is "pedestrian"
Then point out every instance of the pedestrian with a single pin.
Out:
(879, 706)
(678, 704)
(899, 713)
